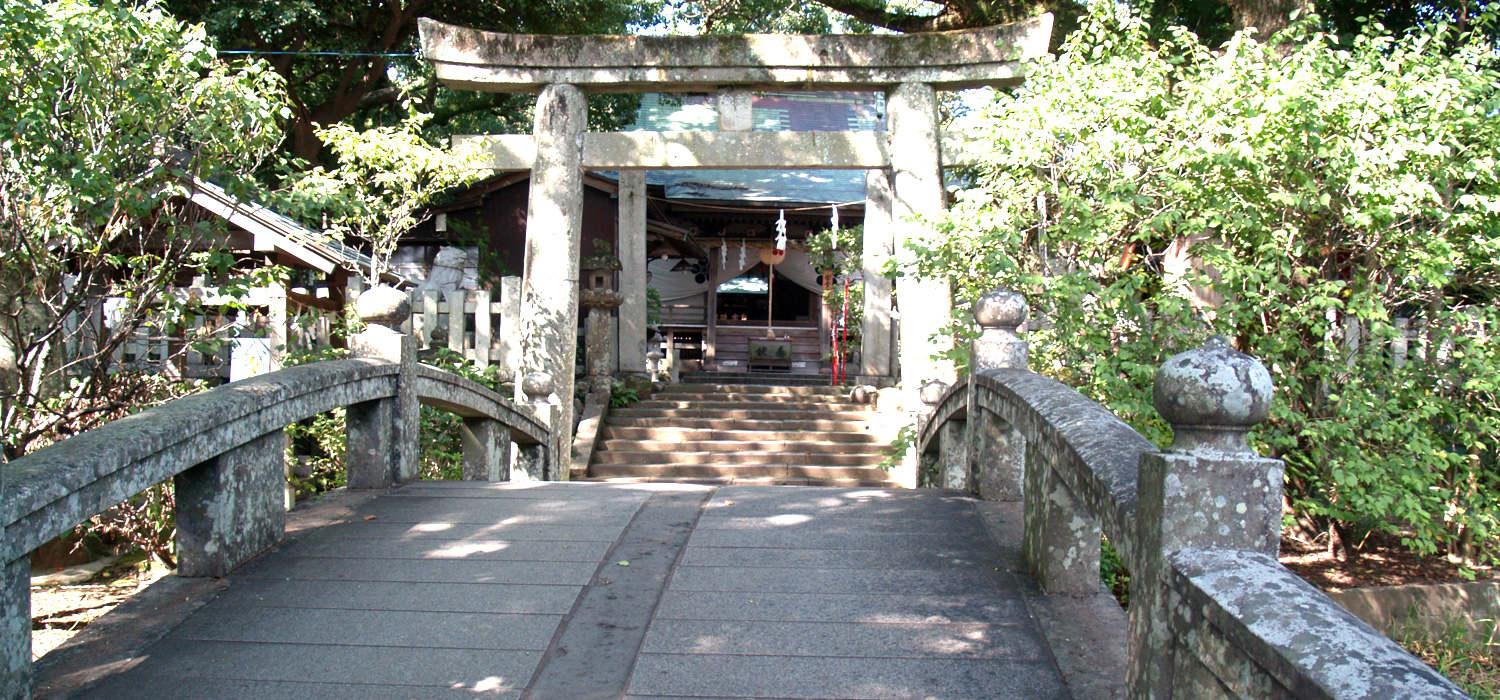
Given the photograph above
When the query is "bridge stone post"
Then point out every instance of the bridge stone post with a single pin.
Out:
(535, 462)
(997, 451)
(486, 447)
(1060, 536)
(232, 507)
(15, 654)
(950, 437)
(383, 435)
(1208, 489)
(15, 610)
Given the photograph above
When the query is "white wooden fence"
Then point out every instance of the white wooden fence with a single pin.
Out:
(484, 327)
(485, 330)
(254, 342)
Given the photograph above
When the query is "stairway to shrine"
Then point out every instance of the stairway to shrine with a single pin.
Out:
(743, 434)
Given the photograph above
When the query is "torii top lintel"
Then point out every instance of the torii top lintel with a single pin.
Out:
(492, 62)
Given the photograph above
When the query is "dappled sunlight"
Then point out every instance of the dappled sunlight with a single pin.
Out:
(905, 618)
(430, 527)
(526, 485)
(654, 487)
(492, 684)
(462, 549)
(965, 643)
(789, 519)
(909, 609)
(711, 644)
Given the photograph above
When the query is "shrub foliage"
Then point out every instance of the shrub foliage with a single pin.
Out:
(1339, 197)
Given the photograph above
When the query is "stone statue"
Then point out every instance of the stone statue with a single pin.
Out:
(447, 272)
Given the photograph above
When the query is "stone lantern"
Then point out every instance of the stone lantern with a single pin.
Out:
(654, 356)
(601, 298)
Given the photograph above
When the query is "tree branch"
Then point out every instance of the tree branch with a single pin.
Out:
(957, 14)
(379, 97)
(876, 13)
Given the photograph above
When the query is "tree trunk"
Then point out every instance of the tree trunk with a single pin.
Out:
(1266, 16)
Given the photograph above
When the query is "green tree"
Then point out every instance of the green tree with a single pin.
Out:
(106, 111)
(1212, 20)
(1331, 193)
(384, 179)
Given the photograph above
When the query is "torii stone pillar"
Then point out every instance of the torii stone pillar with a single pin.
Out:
(875, 342)
(631, 232)
(917, 185)
(554, 232)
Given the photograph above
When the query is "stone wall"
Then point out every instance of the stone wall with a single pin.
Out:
(1213, 614)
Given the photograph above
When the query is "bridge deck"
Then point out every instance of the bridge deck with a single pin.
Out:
(578, 591)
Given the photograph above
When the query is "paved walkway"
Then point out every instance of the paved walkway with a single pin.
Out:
(606, 591)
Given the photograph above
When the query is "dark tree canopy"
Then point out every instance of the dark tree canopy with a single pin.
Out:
(351, 60)
(1214, 20)
(325, 89)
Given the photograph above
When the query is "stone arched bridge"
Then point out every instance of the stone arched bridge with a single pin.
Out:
(540, 590)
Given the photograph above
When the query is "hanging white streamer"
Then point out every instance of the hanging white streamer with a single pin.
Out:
(742, 255)
(724, 256)
(835, 227)
(781, 231)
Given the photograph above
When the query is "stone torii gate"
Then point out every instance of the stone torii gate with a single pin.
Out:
(903, 163)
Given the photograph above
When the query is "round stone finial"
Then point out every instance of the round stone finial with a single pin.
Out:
(1212, 389)
(932, 392)
(383, 305)
(537, 385)
(1001, 308)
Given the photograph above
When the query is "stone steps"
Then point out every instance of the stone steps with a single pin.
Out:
(720, 423)
(766, 392)
(744, 405)
(755, 378)
(774, 414)
(677, 433)
(736, 458)
(742, 433)
(750, 444)
(697, 471)
(749, 481)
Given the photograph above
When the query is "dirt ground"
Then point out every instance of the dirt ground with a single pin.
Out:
(59, 612)
(1382, 562)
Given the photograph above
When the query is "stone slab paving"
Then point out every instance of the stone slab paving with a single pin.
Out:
(613, 591)
(436, 590)
(868, 594)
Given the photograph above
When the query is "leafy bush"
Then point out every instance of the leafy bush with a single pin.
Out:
(1327, 188)
(1113, 573)
(107, 110)
(621, 396)
(442, 432)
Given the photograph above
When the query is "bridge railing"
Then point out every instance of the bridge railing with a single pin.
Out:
(1213, 614)
(224, 450)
